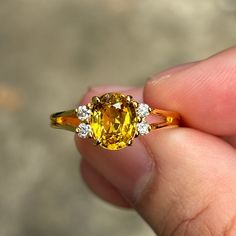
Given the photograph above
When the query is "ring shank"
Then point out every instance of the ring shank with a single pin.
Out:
(170, 118)
(65, 120)
(68, 120)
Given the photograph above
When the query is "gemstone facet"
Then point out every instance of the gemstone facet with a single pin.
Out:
(83, 113)
(113, 121)
(143, 128)
(143, 110)
(84, 130)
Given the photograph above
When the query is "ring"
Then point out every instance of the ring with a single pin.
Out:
(113, 120)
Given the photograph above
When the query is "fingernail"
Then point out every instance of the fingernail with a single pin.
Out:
(156, 79)
(129, 170)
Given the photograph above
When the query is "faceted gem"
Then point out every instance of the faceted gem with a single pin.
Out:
(143, 110)
(83, 113)
(113, 121)
(83, 130)
(143, 128)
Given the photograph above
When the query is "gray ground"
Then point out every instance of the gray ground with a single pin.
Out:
(50, 52)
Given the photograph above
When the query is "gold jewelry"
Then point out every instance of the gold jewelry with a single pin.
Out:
(113, 120)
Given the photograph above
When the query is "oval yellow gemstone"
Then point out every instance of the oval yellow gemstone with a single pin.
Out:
(113, 121)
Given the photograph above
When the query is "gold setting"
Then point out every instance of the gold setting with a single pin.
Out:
(113, 120)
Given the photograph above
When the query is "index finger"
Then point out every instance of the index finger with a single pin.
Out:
(204, 94)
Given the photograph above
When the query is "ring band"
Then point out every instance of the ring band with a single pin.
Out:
(113, 120)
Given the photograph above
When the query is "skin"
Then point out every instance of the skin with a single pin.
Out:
(182, 181)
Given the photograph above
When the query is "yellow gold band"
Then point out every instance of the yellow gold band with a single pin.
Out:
(113, 120)
(68, 120)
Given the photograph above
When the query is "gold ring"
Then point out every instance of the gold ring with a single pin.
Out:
(113, 120)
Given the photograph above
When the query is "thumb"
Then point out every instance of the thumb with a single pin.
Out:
(181, 181)
(193, 188)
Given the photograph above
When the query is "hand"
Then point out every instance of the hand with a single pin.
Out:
(182, 181)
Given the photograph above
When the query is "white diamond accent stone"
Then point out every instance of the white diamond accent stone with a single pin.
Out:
(83, 130)
(83, 113)
(143, 110)
(143, 128)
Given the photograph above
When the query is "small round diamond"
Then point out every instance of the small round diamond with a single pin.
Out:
(83, 113)
(143, 128)
(83, 130)
(143, 110)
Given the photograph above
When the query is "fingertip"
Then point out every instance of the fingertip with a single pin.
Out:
(203, 93)
(101, 187)
(172, 70)
(193, 169)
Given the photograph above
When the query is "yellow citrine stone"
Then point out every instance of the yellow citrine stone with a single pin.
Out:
(113, 121)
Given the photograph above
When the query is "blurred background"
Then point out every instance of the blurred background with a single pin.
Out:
(50, 52)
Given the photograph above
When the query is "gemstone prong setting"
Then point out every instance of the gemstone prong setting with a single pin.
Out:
(129, 98)
(136, 134)
(113, 120)
(97, 142)
(130, 142)
(95, 100)
(90, 106)
(135, 104)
